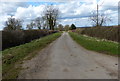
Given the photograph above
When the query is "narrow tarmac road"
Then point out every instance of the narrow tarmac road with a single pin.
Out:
(65, 59)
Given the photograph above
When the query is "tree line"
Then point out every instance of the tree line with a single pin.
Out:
(49, 20)
(66, 27)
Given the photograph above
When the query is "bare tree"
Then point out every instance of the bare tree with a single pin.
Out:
(13, 24)
(51, 16)
(66, 27)
(31, 25)
(40, 22)
(60, 27)
(99, 19)
(45, 23)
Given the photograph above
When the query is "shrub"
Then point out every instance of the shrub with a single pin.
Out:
(109, 33)
(15, 38)
(72, 27)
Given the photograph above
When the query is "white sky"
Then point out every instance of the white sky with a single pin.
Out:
(72, 11)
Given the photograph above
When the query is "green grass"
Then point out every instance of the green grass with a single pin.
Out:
(95, 44)
(13, 57)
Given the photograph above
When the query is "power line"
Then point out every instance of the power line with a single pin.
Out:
(102, 3)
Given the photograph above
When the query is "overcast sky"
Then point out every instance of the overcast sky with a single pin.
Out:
(72, 11)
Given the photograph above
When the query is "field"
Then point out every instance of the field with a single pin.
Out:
(13, 57)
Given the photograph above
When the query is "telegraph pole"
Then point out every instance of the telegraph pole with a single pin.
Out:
(97, 15)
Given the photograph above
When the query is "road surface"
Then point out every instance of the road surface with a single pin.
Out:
(65, 59)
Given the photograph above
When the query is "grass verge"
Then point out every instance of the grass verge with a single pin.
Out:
(13, 57)
(94, 44)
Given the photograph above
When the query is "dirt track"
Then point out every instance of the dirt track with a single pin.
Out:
(65, 59)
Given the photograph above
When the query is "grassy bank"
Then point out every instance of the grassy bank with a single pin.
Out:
(99, 45)
(13, 57)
